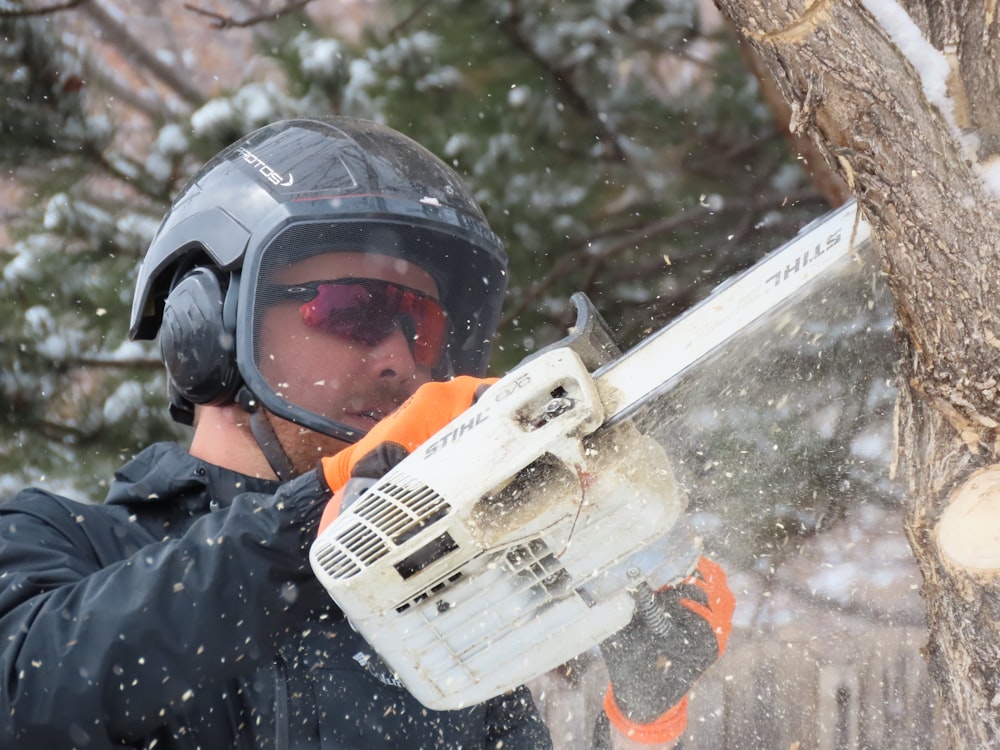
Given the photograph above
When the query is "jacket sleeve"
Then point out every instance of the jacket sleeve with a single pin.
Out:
(513, 723)
(97, 653)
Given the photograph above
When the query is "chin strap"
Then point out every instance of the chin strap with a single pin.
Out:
(263, 432)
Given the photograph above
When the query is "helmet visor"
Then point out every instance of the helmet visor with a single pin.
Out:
(343, 326)
(312, 308)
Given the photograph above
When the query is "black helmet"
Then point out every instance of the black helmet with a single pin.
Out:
(284, 193)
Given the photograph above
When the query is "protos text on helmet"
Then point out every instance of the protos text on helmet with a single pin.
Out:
(267, 172)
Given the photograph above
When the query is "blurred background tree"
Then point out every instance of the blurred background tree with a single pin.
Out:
(624, 149)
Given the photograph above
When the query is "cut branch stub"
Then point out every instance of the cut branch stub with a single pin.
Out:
(969, 529)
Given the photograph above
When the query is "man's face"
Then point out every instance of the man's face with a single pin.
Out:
(331, 374)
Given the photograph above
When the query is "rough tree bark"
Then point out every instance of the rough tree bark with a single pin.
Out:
(861, 88)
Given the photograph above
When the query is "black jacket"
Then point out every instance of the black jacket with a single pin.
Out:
(182, 613)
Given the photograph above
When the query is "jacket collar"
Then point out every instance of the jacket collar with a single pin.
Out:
(165, 472)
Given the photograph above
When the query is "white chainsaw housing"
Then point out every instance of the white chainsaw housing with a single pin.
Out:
(507, 543)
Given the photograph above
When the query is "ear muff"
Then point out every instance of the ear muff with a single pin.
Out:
(198, 339)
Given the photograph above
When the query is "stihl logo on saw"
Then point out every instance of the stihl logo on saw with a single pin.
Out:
(456, 433)
(803, 260)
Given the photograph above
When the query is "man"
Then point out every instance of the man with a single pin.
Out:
(304, 285)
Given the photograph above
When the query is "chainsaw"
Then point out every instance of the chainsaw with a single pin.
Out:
(537, 523)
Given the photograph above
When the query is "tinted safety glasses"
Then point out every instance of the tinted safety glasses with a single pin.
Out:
(368, 310)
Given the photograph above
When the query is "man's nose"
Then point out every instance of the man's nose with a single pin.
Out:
(392, 357)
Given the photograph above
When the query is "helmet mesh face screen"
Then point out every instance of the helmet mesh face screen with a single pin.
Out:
(439, 288)
(325, 294)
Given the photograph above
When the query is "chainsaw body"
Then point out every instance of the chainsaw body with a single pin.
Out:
(507, 544)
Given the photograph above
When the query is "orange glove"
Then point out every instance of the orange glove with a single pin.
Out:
(651, 673)
(418, 418)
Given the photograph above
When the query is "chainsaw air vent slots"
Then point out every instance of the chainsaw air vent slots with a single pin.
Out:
(539, 567)
(384, 518)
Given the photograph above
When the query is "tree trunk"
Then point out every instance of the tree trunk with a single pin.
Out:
(906, 107)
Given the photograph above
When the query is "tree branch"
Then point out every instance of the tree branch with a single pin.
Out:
(139, 52)
(581, 255)
(577, 101)
(43, 11)
(228, 22)
(420, 7)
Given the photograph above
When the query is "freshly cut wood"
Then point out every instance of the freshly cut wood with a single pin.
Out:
(969, 530)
